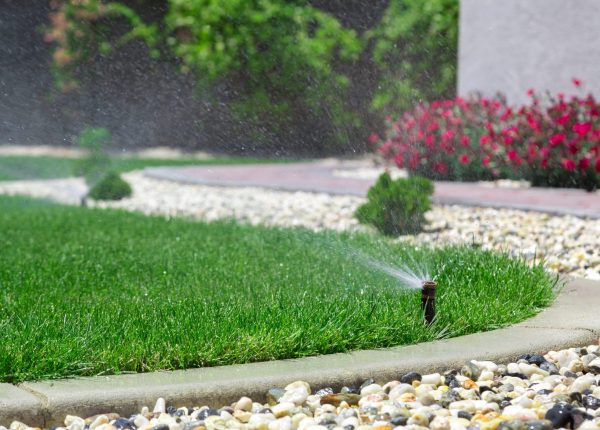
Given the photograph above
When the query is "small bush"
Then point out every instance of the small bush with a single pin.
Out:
(396, 207)
(110, 187)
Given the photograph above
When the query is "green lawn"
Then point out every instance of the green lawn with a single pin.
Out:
(90, 291)
(45, 167)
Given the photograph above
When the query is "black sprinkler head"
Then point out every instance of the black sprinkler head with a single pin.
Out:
(428, 301)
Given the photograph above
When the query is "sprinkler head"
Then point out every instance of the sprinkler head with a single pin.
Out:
(428, 300)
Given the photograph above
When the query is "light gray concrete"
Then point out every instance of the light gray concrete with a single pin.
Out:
(571, 321)
(512, 45)
(18, 403)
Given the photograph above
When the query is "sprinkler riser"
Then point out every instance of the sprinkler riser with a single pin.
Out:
(428, 301)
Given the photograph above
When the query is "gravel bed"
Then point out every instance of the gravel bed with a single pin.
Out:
(560, 389)
(568, 244)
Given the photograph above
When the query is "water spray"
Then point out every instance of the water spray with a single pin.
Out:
(428, 300)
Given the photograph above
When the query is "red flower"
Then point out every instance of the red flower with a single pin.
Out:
(373, 137)
(597, 165)
(514, 157)
(486, 161)
(440, 167)
(582, 128)
(506, 114)
(433, 126)
(465, 141)
(562, 120)
(399, 160)
(544, 163)
(567, 164)
(530, 92)
(386, 147)
(584, 163)
(464, 159)
(576, 82)
(447, 135)
(429, 142)
(484, 139)
(557, 139)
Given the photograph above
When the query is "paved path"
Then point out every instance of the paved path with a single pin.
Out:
(319, 177)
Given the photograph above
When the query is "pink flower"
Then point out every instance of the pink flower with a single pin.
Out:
(544, 163)
(373, 137)
(447, 135)
(584, 163)
(582, 128)
(486, 161)
(597, 165)
(562, 120)
(486, 138)
(576, 82)
(465, 140)
(557, 139)
(567, 164)
(399, 160)
(440, 167)
(464, 159)
(530, 92)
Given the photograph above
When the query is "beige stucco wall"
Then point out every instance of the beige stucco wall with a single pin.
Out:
(512, 45)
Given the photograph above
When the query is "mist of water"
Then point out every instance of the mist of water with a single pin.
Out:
(408, 277)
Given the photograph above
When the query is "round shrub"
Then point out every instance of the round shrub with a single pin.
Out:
(396, 206)
(110, 187)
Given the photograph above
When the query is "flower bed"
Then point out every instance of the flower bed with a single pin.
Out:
(553, 141)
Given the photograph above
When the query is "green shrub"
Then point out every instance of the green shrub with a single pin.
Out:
(96, 163)
(110, 187)
(396, 206)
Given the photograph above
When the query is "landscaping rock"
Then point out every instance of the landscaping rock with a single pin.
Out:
(534, 400)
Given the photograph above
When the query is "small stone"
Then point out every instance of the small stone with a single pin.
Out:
(559, 415)
(470, 370)
(18, 425)
(591, 402)
(74, 423)
(122, 424)
(100, 419)
(432, 379)
(282, 409)
(439, 423)
(243, 404)
(207, 412)
(242, 416)
(336, 399)
(409, 377)
(582, 383)
(160, 406)
(594, 365)
(371, 389)
(274, 394)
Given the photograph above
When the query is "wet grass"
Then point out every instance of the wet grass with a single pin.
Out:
(91, 292)
(15, 167)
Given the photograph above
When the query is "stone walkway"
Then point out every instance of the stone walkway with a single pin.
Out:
(325, 177)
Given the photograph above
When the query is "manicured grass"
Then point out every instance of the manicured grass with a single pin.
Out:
(90, 291)
(44, 167)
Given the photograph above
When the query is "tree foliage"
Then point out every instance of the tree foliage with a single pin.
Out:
(277, 64)
(415, 48)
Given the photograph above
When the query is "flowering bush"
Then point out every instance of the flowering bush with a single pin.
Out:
(554, 141)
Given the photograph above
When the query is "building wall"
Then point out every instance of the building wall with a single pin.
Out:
(512, 45)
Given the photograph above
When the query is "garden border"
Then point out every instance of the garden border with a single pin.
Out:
(572, 320)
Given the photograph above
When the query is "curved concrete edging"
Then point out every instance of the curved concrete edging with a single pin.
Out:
(573, 320)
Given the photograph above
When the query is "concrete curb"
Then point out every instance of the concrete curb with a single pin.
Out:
(571, 321)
